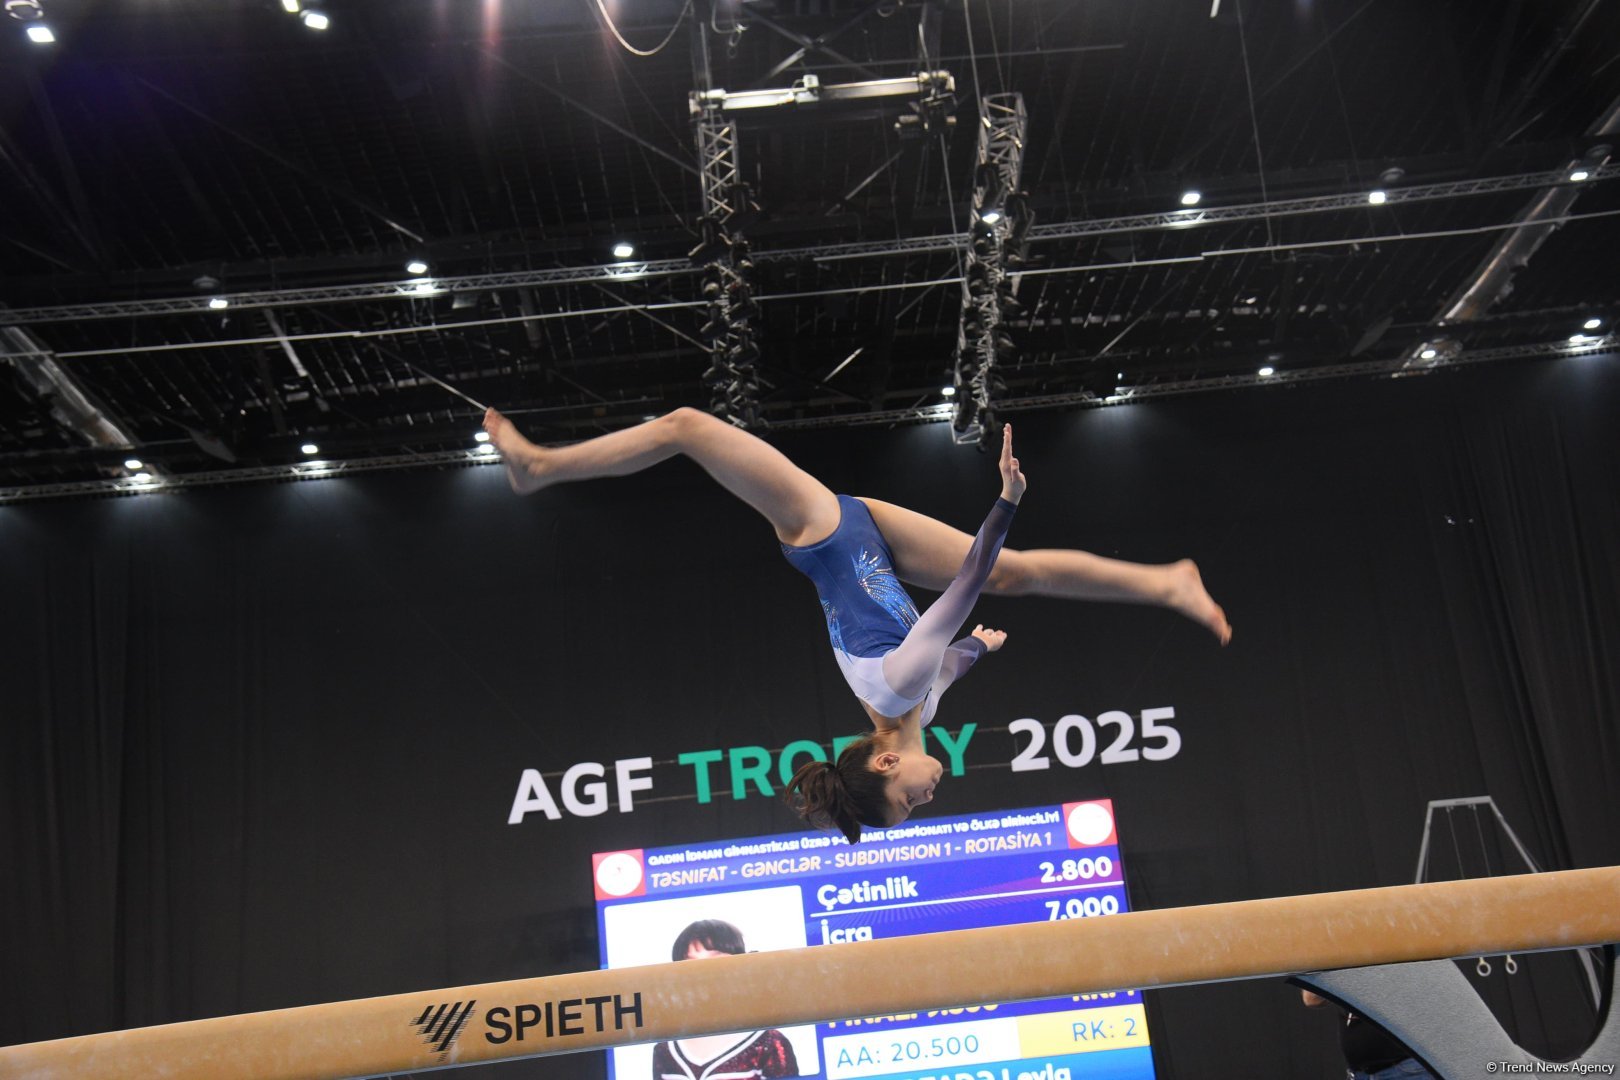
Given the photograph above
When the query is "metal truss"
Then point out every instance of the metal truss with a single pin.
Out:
(418, 289)
(809, 91)
(919, 414)
(717, 164)
(731, 377)
(1182, 219)
(578, 275)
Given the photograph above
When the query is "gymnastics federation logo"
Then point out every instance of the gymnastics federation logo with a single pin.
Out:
(619, 874)
(1090, 824)
(440, 1025)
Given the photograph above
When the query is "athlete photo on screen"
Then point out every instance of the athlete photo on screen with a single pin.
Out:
(749, 1055)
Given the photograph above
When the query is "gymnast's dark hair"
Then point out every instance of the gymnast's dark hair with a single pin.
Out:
(714, 934)
(844, 796)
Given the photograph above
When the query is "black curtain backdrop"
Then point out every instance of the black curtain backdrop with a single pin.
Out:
(260, 744)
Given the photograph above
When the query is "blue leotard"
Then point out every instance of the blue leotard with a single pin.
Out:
(892, 656)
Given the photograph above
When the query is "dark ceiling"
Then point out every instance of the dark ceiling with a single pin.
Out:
(159, 155)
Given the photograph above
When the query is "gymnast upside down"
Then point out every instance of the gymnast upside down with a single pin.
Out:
(857, 552)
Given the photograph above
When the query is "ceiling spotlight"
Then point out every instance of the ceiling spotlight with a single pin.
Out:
(40, 34)
(133, 464)
(310, 448)
(1579, 339)
(485, 448)
(622, 250)
(1428, 354)
(290, 6)
(1376, 197)
(219, 303)
(316, 20)
(990, 217)
(416, 266)
(1578, 175)
(1190, 198)
(1250, 299)
(142, 478)
(482, 436)
(1592, 324)
(1267, 370)
(947, 391)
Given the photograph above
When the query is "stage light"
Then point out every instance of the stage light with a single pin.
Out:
(416, 266)
(219, 303)
(485, 448)
(1579, 175)
(622, 250)
(142, 478)
(133, 464)
(1376, 197)
(947, 391)
(316, 20)
(1579, 339)
(1592, 324)
(1428, 354)
(290, 6)
(1250, 299)
(1190, 198)
(40, 34)
(310, 448)
(1267, 370)
(990, 217)
(482, 436)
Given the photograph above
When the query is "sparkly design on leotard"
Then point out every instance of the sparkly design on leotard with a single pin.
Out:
(877, 579)
(833, 631)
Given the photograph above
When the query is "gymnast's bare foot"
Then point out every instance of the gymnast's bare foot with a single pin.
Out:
(524, 468)
(1188, 596)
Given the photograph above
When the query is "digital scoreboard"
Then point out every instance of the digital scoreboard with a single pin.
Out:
(807, 889)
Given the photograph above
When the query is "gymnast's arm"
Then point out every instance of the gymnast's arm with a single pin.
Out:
(961, 656)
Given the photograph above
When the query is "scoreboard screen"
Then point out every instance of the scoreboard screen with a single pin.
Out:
(812, 888)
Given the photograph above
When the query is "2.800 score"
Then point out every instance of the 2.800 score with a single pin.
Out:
(1082, 869)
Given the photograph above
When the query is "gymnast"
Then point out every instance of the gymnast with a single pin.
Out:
(857, 551)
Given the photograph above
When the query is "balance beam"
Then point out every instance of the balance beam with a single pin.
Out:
(559, 1014)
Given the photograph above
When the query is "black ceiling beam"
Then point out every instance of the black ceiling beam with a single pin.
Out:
(575, 103)
(1217, 130)
(314, 176)
(817, 44)
(87, 229)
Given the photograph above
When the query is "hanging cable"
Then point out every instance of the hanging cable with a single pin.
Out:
(1254, 120)
(607, 19)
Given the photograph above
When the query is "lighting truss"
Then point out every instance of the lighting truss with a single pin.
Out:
(730, 330)
(809, 91)
(607, 272)
(926, 414)
(986, 284)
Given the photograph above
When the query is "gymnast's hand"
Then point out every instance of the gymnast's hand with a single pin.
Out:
(993, 639)
(1012, 477)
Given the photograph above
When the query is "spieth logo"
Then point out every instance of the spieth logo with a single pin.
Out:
(439, 1025)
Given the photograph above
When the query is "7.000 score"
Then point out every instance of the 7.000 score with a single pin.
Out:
(1076, 907)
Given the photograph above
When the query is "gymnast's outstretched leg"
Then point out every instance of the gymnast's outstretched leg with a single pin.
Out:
(929, 553)
(799, 507)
